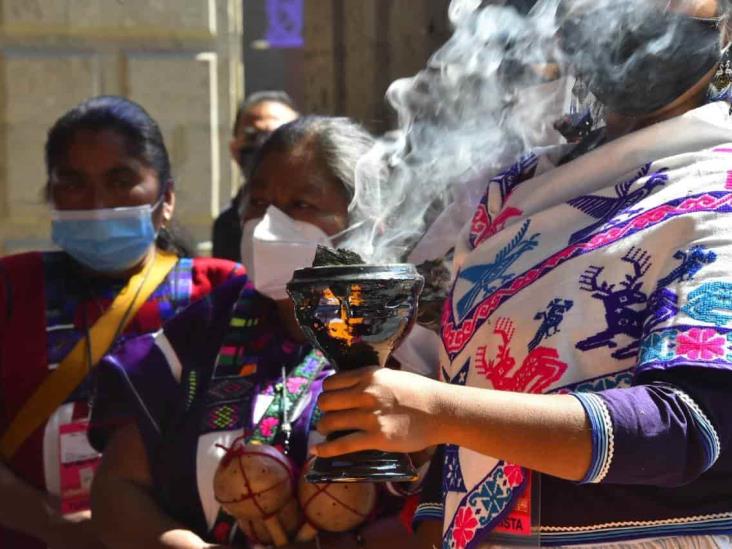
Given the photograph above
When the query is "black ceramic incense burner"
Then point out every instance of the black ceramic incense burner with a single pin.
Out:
(356, 315)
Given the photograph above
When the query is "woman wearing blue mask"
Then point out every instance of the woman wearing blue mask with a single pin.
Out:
(233, 366)
(118, 273)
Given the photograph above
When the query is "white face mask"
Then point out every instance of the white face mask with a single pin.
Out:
(275, 246)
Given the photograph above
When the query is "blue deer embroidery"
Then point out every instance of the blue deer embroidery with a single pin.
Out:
(622, 314)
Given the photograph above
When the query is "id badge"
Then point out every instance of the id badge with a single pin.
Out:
(520, 527)
(78, 463)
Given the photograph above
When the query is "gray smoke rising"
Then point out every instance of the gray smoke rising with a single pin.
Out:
(491, 94)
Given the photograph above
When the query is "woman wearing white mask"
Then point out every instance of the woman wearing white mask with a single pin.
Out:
(234, 365)
(111, 190)
(298, 198)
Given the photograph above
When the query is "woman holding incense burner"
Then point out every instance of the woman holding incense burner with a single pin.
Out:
(587, 334)
(214, 412)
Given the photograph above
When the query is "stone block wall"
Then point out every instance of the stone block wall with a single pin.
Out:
(180, 59)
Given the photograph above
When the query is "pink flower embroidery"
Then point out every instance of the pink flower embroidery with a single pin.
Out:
(294, 384)
(464, 529)
(701, 344)
(514, 474)
(268, 425)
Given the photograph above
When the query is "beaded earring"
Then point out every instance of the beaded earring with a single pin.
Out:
(720, 88)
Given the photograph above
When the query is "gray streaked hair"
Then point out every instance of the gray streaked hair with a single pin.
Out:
(338, 141)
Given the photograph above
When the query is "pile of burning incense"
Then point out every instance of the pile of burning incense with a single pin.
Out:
(328, 257)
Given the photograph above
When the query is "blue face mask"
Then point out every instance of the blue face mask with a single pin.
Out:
(109, 240)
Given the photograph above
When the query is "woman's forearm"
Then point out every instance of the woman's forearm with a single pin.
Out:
(125, 513)
(127, 517)
(546, 433)
(402, 412)
(25, 508)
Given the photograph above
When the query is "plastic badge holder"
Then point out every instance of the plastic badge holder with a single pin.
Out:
(521, 526)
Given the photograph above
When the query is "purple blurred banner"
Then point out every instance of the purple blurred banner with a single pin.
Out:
(284, 23)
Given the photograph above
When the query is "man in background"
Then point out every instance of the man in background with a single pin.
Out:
(256, 118)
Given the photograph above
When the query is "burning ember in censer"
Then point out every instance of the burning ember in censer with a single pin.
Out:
(356, 314)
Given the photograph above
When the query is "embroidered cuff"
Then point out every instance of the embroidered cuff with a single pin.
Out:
(428, 511)
(712, 446)
(602, 436)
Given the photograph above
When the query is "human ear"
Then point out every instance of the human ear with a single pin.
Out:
(168, 205)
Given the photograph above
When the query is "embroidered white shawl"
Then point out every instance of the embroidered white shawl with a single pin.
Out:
(561, 277)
